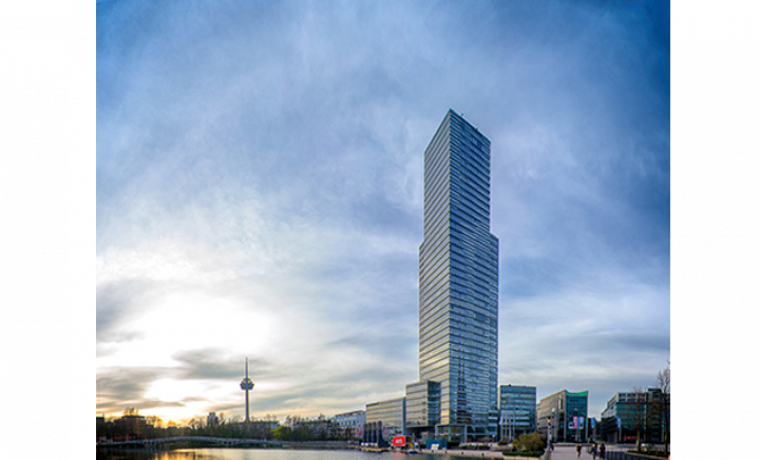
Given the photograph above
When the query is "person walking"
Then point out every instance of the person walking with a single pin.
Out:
(593, 450)
(602, 451)
(578, 449)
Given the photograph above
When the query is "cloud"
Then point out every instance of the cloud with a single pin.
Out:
(114, 302)
(259, 193)
(214, 363)
(120, 388)
(595, 331)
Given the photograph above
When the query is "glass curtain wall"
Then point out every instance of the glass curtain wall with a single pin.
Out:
(459, 280)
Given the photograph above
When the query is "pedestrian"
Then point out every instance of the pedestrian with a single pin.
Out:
(593, 450)
(602, 450)
(578, 449)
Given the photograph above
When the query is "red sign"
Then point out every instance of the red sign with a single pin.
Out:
(399, 441)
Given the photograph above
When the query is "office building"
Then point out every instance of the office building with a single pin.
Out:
(386, 417)
(423, 408)
(563, 416)
(632, 414)
(350, 424)
(458, 280)
(130, 427)
(517, 411)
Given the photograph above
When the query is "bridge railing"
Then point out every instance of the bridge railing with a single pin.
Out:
(206, 439)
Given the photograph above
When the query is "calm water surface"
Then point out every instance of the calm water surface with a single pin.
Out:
(260, 454)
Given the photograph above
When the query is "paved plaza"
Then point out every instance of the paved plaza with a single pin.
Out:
(568, 452)
(561, 452)
(465, 453)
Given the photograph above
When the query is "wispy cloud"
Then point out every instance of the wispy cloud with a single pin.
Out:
(259, 193)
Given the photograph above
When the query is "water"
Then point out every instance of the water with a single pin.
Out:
(260, 454)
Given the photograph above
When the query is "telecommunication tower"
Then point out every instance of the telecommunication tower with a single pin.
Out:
(246, 385)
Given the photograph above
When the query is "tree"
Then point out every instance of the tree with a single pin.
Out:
(531, 442)
(197, 425)
(282, 433)
(638, 412)
(154, 420)
(663, 406)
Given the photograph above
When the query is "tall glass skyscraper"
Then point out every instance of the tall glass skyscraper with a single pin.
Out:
(459, 281)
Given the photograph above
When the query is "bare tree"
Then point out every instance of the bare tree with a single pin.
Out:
(662, 407)
(154, 420)
(638, 413)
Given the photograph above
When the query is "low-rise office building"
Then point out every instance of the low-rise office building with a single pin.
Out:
(423, 408)
(517, 411)
(387, 418)
(633, 414)
(563, 416)
(130, 427)
(349, 425)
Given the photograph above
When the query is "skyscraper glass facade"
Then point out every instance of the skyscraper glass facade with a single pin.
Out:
(389, 414)
(459, 280)
(423, 401)
(517, 407)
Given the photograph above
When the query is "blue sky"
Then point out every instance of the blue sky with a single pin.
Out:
(259, 193)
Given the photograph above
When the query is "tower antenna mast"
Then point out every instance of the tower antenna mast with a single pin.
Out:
(246, 385)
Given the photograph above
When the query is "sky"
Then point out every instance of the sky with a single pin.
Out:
(259, 194)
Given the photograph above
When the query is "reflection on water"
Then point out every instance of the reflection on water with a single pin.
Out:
(258, 454)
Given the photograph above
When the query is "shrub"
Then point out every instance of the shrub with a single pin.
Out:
(523, 453)
(530, 442)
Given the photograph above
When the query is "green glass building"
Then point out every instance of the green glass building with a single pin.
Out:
(563, 416)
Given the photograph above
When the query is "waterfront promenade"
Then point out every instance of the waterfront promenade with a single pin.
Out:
(560, 452)
(465, 453)
(568, 452)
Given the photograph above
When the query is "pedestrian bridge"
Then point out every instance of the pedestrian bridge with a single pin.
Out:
(224, 442)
